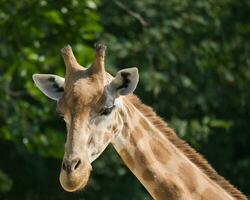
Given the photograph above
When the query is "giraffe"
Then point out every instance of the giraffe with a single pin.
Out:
(100, 109)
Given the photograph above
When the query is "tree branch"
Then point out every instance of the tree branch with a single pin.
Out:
(137, 16)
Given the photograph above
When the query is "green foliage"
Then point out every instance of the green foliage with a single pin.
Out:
(5, 182)
(194, 64)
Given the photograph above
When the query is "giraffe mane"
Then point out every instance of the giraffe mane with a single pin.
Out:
(188, 151)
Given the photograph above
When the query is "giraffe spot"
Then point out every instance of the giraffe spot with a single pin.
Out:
(148, 175)
(209, 194)
(160, 152)
(132, 140)
(125, 130)
(137, 133)
(144, 124)
(122, 113)
(143, 158)
(90, 141)
(125, 124)
(127, 158)
(114, 128)
(135, 136)
(168, 190)
(188, 176)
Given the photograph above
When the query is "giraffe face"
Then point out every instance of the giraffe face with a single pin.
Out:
(91, 117)
(88, 100)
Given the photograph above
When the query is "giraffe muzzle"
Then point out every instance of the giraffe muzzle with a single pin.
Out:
(74, 175)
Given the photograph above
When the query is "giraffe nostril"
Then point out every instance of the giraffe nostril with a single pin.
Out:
(70, 166)
(64, 166)
(78, 163)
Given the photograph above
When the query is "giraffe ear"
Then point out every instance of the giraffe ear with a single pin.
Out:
(125, 81)
(51, 85)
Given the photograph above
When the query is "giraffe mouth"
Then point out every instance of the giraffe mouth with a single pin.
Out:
(72, 182)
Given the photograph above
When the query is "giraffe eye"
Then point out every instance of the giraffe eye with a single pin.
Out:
(107, 110)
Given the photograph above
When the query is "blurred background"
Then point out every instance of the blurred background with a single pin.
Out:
(194, 62)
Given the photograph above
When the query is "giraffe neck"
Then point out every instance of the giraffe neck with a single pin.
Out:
(158, 164)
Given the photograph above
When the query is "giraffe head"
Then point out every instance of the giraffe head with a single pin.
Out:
(88, 99)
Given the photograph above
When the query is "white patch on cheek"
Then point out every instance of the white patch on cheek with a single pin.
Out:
(98, 125)
(99, 122)
(99, 147)
(119, 102)
(98, 134)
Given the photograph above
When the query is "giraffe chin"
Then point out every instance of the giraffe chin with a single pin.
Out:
(74, 181)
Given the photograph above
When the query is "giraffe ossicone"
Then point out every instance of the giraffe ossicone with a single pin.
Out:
(100, 109)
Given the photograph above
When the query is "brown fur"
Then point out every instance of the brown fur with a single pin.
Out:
(114, 128)
(135, 136)
(188, 176)
(160, 152)
(168, 189)
(132, 140)
(195, 157)
(209, 194)
(128, 158)
(148, 175)
(122, 114)
(144, 124)
(125, 131)
(143, 158)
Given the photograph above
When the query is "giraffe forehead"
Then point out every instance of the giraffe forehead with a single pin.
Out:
(85, 92)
